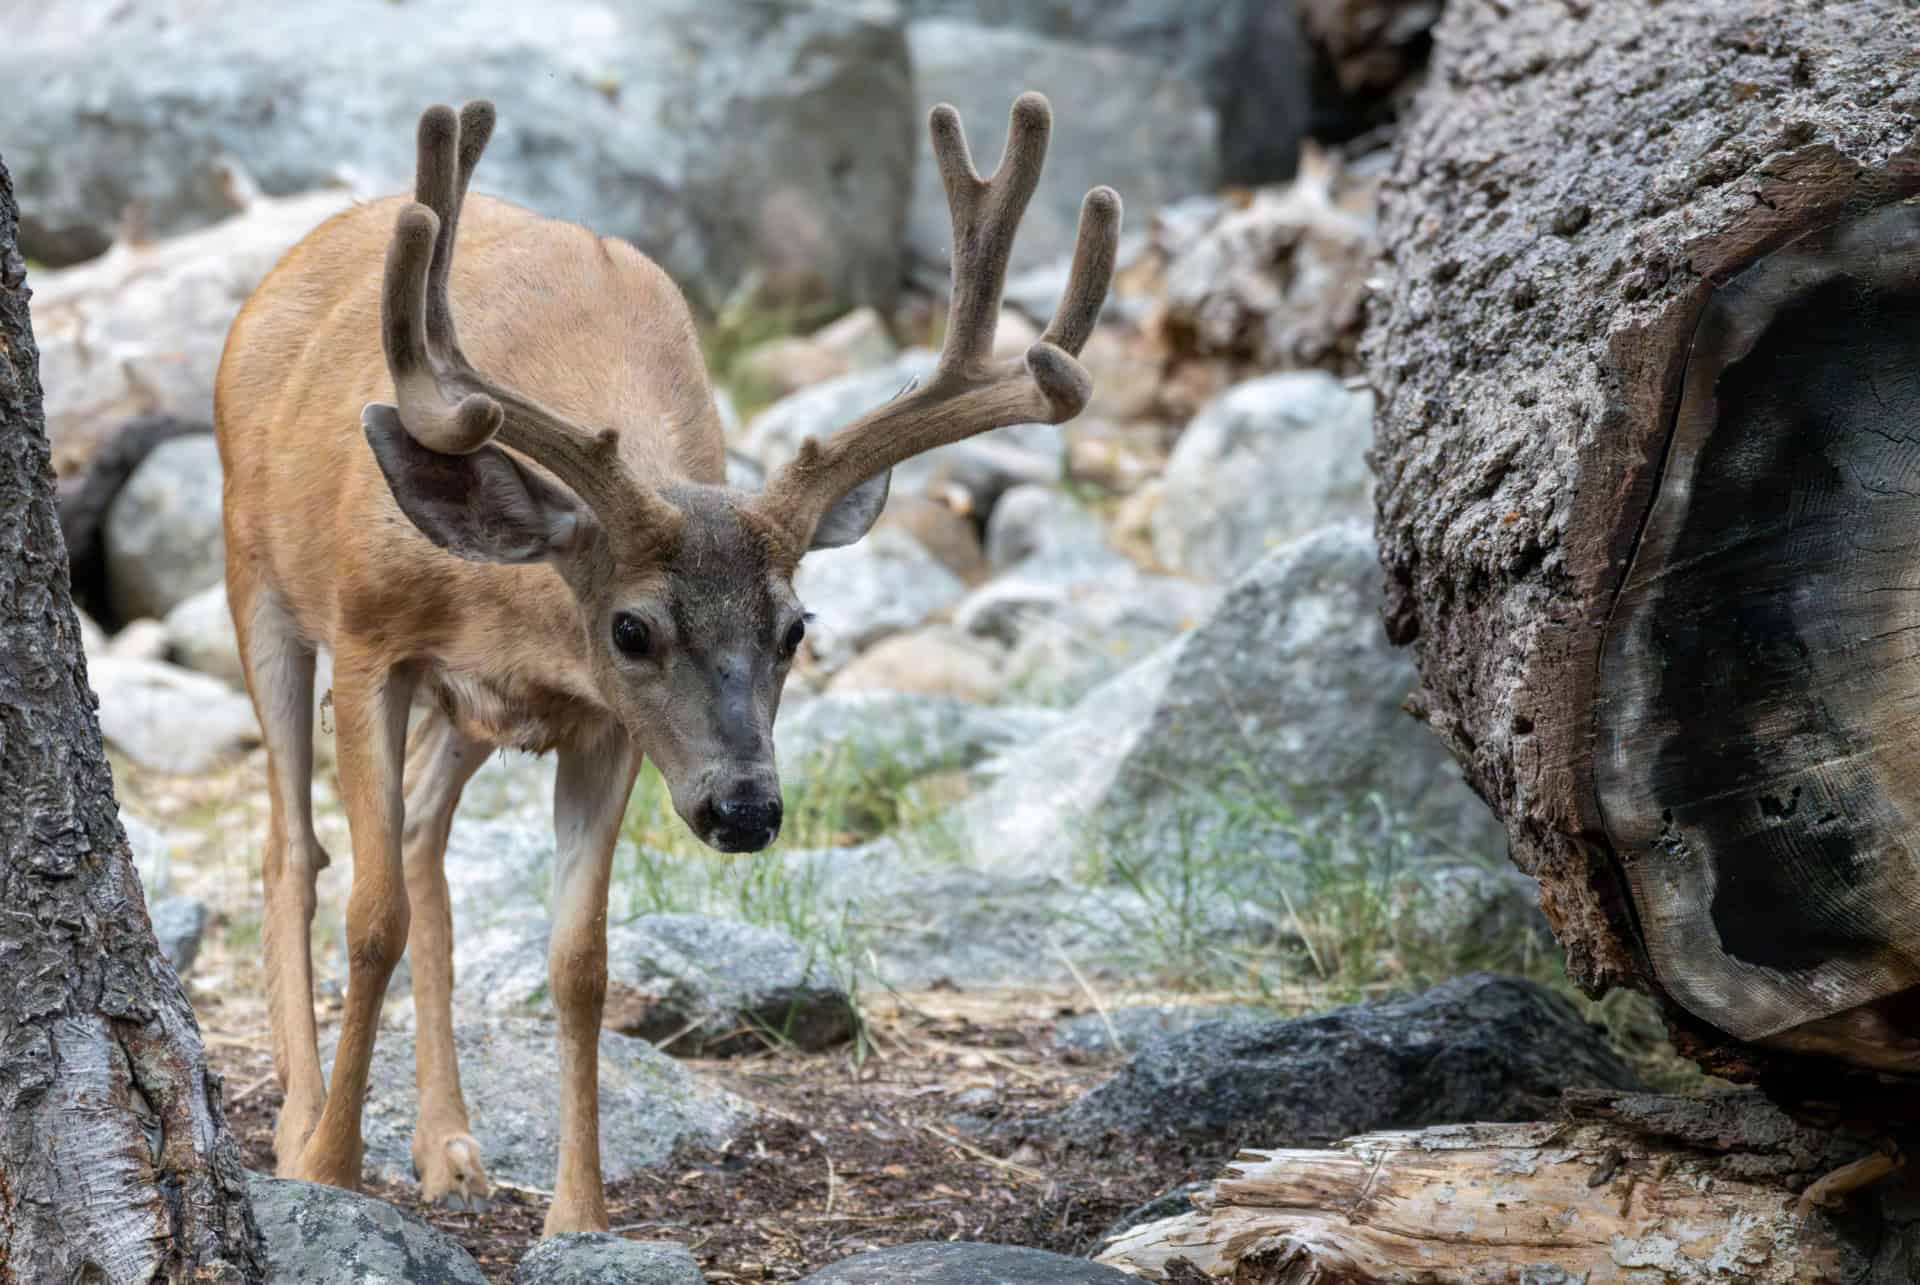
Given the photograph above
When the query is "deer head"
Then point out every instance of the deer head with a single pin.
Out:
(684, 589)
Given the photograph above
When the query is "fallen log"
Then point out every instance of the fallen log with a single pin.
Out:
(1649, 502)
(1624, 1188)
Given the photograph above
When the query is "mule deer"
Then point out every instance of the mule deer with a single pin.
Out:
(530, 535)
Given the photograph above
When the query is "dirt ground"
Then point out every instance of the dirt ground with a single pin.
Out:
(853, 1152)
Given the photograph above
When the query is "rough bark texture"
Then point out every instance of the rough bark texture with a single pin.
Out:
(1578, 180)
(1624, 1188)
(115, 1162)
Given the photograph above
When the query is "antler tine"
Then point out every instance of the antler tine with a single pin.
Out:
(1096, 247)
(986, 213)
(970, 393)
(445, 404)
(449, 148)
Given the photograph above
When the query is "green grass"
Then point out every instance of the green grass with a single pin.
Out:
(842, 800)
(1349, 932)
(1347, 924)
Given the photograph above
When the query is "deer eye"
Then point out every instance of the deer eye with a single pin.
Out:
(631, 635)
(791, 643)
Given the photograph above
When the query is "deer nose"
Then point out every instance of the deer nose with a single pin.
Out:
(745, 818)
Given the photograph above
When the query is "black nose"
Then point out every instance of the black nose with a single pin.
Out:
(744, 819)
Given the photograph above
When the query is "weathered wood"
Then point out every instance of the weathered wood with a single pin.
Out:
(115, 1162)
(1759, 696)
(1578, 187)
(1626, 1189)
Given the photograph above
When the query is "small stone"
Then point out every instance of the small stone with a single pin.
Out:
(1013, 335)
(164, 539)
(200, 636)
(935, 660)
(786, 365)
(141, 640)
(1031, 520)
(598, 1258)
(1271, 460)
(152, 855)
(317, 1235)
(860, 339)
(965, 1263)
(170, 719)
(884, 584)
(178, 923)
(942, 529)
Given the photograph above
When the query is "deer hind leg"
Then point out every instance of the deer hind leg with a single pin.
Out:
(446, 1158)
(370, 702)
(589, 798)
(279, 671)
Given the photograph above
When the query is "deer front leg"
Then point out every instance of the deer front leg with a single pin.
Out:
(446, 1158)
(589, 799)
(370, 702)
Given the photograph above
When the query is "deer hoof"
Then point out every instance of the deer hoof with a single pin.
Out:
(451, 1174)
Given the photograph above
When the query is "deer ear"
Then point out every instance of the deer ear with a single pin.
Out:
(855, 513)
(482, 506)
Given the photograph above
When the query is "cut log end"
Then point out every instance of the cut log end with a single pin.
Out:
(1760, 678)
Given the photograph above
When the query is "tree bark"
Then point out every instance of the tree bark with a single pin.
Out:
(1625, 1188)
(115, 1160)
(1647, 400)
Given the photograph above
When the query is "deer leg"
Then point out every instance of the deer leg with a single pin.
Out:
(370, 702)
(589, 799)
(446, 1158)
(279, 672)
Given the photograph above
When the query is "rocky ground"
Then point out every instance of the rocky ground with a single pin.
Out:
(1099, 780)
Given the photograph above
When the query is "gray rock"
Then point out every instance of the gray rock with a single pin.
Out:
(508, 1069)
(167, 718)
(933, 660)
(1030, 521)
(200, 636)
(318, 1235)
(1248, 56)
(1477, 1048)
(964, 1263)
(885, 584)
(1074, 620)
(163, 537)
(1470, 911)
(928, 912)
(1136, 1026)
(696, 986)
(1264, 463)
(93, 639)
(1279, 713)
(140, 640)
(627, 117)
(905, 735)
(860, 337)
(129, 332)
(152, 855)
(1135, 124)
(1023, 452)
(598, 1258)
(178, 923)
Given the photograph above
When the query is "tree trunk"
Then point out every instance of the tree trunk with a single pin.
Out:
(1626, 1188)
(1648, 370)
(115, 1161)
